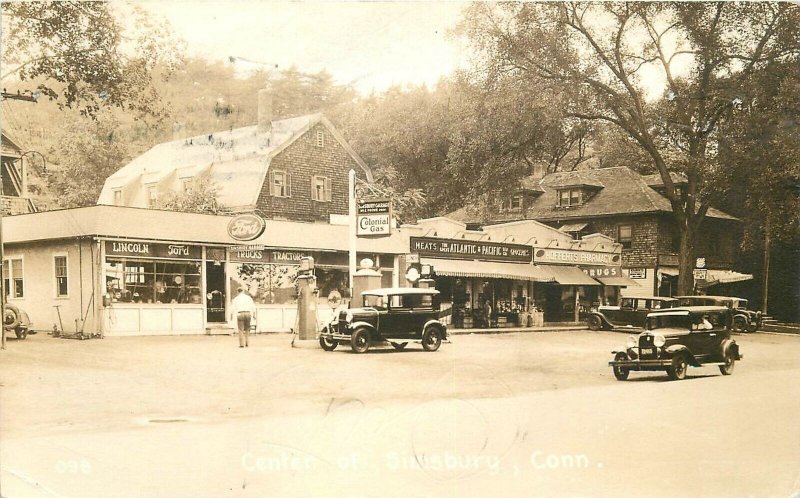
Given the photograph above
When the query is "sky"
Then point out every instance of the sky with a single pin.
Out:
(371, 45)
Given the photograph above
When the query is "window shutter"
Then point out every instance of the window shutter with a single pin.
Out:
(288, 184)
(271, 183)
(328, 190)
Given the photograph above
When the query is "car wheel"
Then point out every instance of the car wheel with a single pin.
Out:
(431, 339)
(621, 373)
(359, 341)
(677, 371)
(730, 362)
(399, 345)
(594, 322)
(11, 317)
(739, 324)
(327, 344)
(21, 333)
(753, 327)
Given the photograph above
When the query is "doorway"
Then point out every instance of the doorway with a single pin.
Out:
(215, 292)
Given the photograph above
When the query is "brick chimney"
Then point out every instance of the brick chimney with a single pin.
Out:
(264, 110)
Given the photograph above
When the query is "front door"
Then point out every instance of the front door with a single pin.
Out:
(215, 292)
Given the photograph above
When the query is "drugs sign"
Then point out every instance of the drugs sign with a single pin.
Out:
(373, 217)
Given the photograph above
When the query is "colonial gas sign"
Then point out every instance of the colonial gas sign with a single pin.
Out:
(246, 227)
(470, 249)
(573, 257)
(373, 217)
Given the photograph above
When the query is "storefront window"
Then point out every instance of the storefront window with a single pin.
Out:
(148, 281)
(266, 283)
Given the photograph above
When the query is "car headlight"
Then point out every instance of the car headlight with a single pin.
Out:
(631, 341)
(659, 340)
(348, 316)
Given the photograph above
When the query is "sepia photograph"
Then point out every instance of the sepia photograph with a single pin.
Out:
(273, 248)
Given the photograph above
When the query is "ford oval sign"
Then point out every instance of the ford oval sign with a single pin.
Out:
(246, 227)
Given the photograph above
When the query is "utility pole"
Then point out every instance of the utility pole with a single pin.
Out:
(27, 98)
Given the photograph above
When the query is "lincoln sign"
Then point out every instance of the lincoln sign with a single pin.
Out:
(469, 249)
(246, 227)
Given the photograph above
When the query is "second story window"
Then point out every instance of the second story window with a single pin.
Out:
(625, 236)
(280, 183)
(152, 195)
(569, 197)
(516, 202)
(118, 197)
(320, 188)
(320, 138)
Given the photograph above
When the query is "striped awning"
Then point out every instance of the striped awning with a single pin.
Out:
(572, 227)
(488, 269)
(714, 277)
(568, 275)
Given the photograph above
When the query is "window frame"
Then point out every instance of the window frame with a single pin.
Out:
(518, 197)
(627, 243)
(567, 200)
(320, 138)
(57, 290)
(118, 197)
(286, 187)
(10, 282)
(327, 193)
(151, 194)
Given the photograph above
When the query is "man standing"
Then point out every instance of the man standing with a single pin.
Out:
(243, 309)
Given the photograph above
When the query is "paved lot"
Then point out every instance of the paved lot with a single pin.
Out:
(533, 414)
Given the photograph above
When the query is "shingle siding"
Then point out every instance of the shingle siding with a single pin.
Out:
(303, 159)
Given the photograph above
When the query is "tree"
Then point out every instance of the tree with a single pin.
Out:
(81, 54)
(602, 50)
(89, 152)
(200, 196)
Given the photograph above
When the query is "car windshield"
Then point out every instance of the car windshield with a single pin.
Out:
(668, 322)
(372, 301)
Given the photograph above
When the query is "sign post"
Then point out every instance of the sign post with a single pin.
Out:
(351, 188)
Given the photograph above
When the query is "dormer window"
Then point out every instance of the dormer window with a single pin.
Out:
(515, 203)
(570, 197)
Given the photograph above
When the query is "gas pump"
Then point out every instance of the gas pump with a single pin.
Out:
(306, 323)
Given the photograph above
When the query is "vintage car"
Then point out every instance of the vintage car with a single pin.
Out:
(631, 312)
(743, 319)
(677, 338)
(394, 315)
(17, 321)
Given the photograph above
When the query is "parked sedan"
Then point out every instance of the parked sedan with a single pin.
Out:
(17, 321)
(678, 338)
(631, 312)
(394, 315)
(743, 319)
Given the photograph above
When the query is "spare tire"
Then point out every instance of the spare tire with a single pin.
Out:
(11, 316)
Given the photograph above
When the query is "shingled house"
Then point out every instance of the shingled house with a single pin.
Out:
(291, 169)
(15, 198)
(631, 209)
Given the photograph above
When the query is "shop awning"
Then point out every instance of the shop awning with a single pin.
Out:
(572, 227)
(621, 281)
(672, 272)
(568, 275)
(714, 277)
(487, 269)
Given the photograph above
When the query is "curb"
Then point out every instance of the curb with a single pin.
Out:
(513, 330)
